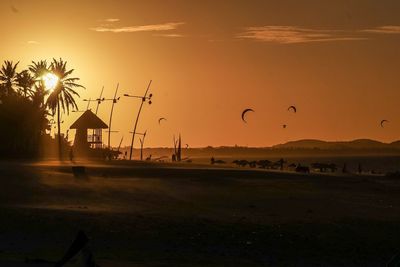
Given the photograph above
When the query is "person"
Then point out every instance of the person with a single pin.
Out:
(173, 158)
(71, 155)
(281, 161)
(212, 160)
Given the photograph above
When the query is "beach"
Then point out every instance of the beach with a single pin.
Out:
(154, 214)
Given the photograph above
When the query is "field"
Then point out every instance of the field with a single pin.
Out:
(154, 214)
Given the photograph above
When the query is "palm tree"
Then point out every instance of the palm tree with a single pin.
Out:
(8, 76)
(39, 69)
(63, 94)
(25, 82)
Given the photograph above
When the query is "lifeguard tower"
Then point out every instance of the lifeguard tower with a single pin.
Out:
(88, 135)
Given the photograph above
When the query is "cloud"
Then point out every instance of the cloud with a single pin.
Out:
(172, 35)
(142, 28)
(111, 20)
(31, 42)
(389, 29)
(293, 35)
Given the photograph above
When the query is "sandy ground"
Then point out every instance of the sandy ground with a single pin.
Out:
(143, 214)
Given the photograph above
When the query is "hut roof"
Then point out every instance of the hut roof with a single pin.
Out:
(88, 120)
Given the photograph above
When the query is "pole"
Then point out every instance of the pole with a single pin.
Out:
(59, 130)
(120, 143)
(97, 108)
(88, 104)
(141, 145)
(111, 113)
(137, 119)
(98, 101)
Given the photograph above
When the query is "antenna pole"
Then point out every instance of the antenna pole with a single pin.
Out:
(119, 147)
(88, 104)
(137, 119)
(111, 113)
(99, 100)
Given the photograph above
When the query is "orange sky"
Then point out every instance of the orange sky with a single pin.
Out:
(337, 61)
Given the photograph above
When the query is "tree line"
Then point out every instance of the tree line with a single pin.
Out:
(27, 104)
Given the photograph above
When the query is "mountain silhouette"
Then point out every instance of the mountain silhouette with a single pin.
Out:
(334, 145)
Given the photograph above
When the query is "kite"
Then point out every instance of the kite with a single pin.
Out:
(244, 113)
(292, 108)
(383, 122)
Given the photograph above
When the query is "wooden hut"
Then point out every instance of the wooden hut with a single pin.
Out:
(88, 133)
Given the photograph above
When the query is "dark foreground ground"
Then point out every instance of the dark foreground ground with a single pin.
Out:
(171, 215)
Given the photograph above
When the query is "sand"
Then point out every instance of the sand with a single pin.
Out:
(148, 214)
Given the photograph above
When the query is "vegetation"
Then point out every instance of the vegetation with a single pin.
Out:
(26, 106)
(63, 94)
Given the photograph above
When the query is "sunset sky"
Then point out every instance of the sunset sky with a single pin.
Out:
(337, 61)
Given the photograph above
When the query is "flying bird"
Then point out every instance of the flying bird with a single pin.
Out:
(284, 126)
(383, 122)
(293, 108)
(244, 113)
(160, 119)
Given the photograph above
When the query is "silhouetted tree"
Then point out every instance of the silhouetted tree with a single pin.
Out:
(8, 76)
(25, 82)
(62, 97)
(39, 69)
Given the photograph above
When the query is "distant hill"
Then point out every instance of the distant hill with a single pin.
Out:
(337, 145)
(395, 144)
(311, 147)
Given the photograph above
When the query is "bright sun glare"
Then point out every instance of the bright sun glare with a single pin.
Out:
(50, 81)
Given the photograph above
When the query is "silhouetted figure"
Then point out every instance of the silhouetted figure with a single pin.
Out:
(324, 167)
(212, 160)
(281, 161)
(71, 155)
(344, 169)
(264, 163)
(303, 169)
(173, 158)
(253, 164)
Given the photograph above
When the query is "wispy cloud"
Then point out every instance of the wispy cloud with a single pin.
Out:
(31, 42)
(172, 35)
(293, 35)
(389, 29)
(142, 28)
(111, 20)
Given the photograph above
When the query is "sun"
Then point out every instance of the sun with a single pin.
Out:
(50, 81)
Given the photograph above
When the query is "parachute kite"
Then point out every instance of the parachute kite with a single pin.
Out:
(293, 108)
(244, 113)
(383, 122)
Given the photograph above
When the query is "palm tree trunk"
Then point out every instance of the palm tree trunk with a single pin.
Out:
(59, 131)
(141, 149)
